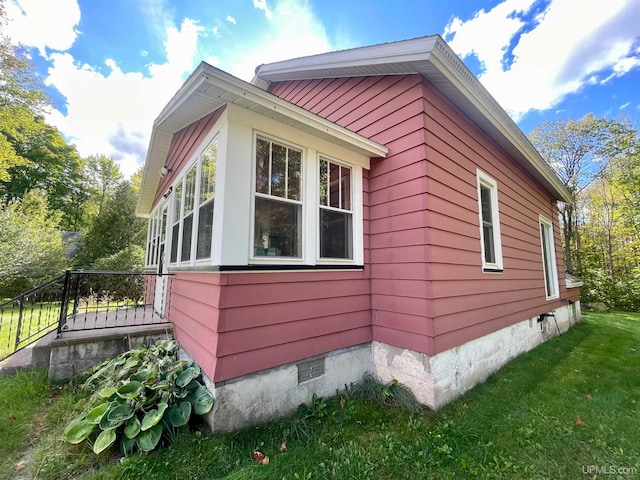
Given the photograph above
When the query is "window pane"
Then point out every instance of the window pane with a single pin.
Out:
(345, 186)
(262, 166)
(205, 231)
(294, 174)
(324, 181)
(489, 249)
(174, 243)
(189, 191)
(485, 197)
(208, 174)
(177, 203)
(277, 228)
(335, 234)
(278, 170)
(185, 255)
(334, 185)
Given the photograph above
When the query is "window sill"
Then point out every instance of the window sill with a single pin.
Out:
(492, 270)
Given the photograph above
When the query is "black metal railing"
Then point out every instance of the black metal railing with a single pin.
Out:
(84, 300)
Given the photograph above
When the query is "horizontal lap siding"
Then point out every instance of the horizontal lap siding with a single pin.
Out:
(390, 111)
(194, 312)
(423, 247)
(468, 303)
(270, 319)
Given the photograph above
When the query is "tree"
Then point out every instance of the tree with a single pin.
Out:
(579, 151)
(53, 167)
(103, 175)
(115, 229)
(31, 250)
(22, 99)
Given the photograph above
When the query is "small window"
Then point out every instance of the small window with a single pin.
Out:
(336, 216)
(278, 200)
(548, 258)
(489, 223)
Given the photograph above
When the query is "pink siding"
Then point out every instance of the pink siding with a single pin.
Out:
(428, 290)
(183, 145)
(239, 323)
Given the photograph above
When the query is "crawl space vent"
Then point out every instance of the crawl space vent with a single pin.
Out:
(310, 369)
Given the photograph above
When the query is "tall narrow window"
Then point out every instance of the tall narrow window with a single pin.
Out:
(175, 228)
(187, 221)
(548, 258)
(490, 244)
(205, 201)
(278, 200)
(336, 216)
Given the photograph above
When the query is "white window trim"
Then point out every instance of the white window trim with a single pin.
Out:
(485, 180)
(268, 260)
(310, 195)
(196, 160)
(543, 221)
(352, 211)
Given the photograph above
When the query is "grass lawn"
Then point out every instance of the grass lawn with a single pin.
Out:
(568, 410)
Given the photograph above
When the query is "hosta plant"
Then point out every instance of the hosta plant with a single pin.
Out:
(139, 396)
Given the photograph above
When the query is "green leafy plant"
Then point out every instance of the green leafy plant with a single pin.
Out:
(140, 396)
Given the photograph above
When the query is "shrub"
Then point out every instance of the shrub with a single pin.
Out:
(139, 397)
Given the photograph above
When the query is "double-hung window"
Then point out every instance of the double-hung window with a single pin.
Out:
(335, 215)
(205, 201)
(278, 200)
(549, 267)
(490, 243)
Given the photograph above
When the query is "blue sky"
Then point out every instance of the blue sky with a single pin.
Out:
(111, 65)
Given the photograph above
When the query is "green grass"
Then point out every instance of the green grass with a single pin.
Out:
(554, 413)
(21, 399)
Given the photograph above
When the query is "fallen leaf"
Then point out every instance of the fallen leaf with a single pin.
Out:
(13, 418)
(21, 465)
(579, 421)
(283, 447)
(588, 397)
(260, 458)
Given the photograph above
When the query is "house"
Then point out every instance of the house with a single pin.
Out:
(366, 210)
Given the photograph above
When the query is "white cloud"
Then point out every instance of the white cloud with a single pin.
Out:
(230, 19)
(625, 105)
(573, 44)
(293, 31)
(112, 113)
(262, 5)
(43, 24)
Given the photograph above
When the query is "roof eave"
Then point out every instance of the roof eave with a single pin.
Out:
(208, 89)
(432, 58)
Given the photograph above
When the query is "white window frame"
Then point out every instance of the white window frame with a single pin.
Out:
(484, 180)
(549, 264)
(350, 211)
(178, 217)
(268, 259)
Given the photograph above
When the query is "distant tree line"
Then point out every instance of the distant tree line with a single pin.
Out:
(598, 160)
(47, 188)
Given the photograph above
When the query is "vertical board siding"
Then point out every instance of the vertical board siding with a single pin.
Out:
(423, 245)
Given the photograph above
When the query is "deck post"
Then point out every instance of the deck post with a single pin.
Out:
(64, 302)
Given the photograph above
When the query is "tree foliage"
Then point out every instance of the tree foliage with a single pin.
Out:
(580, 151)
(116, 227)
(31, 249)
